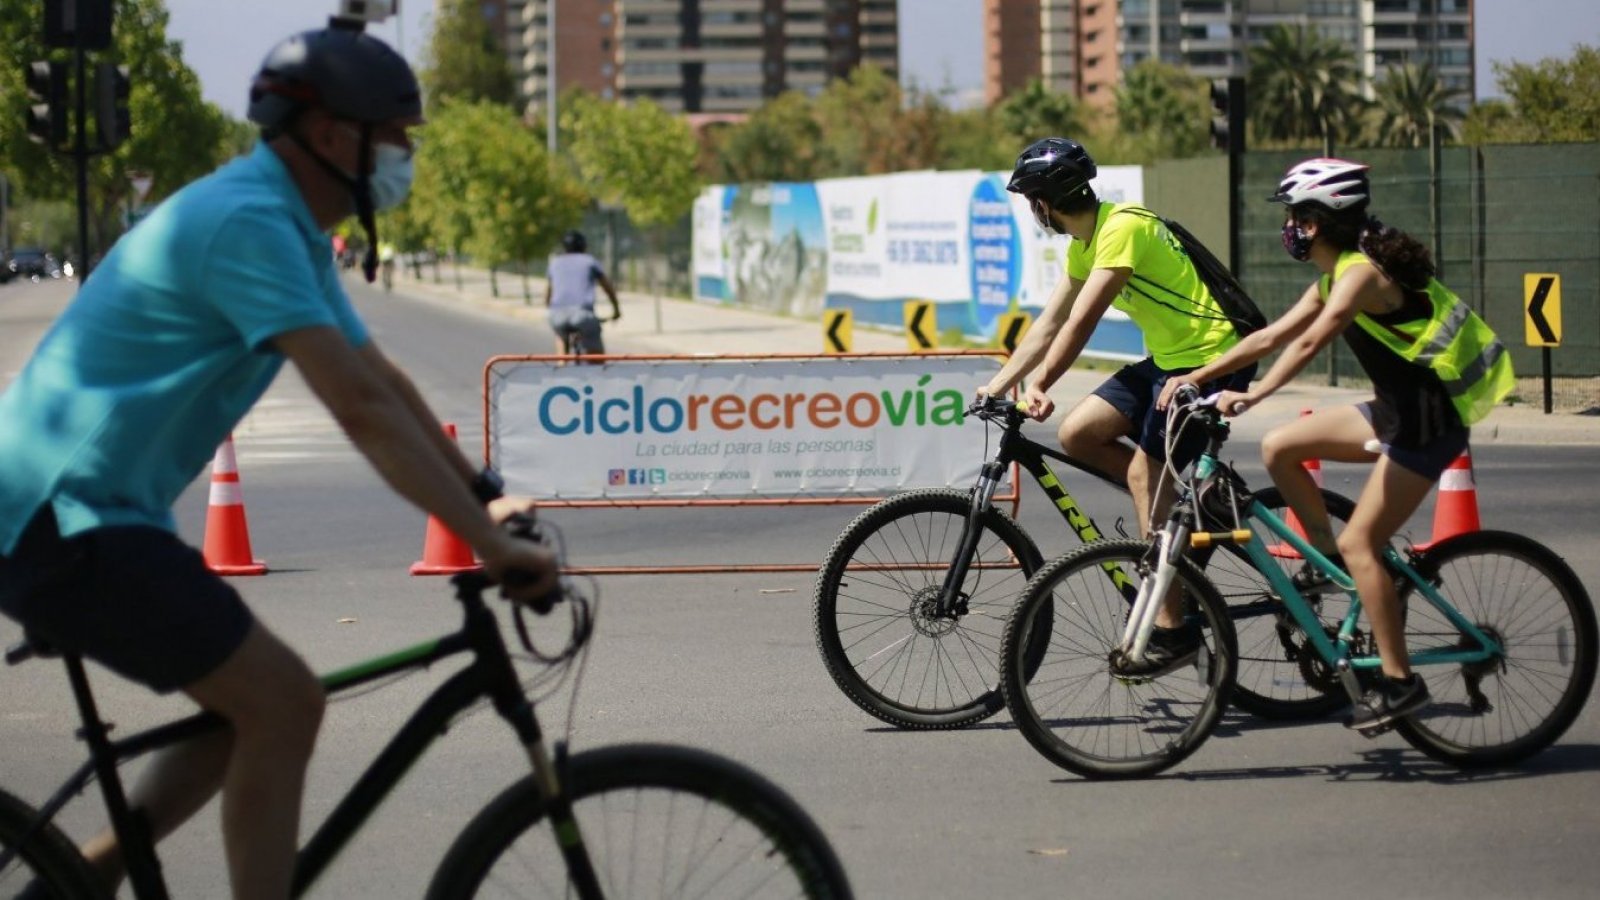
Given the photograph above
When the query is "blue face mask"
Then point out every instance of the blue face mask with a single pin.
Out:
(391, 176)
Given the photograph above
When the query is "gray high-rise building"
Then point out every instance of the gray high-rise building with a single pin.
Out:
(694, 56)
(1065, 41)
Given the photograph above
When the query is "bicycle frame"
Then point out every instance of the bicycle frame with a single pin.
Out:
(1337, 653)
(1016, 449)
(491, 675)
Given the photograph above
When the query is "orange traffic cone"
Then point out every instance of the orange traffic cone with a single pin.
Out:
(1455, 511)
(442, 552)
(1283, 549)
(227, 545)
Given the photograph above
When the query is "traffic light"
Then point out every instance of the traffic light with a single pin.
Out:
(47, 103)
(111, 105)
(1227, 127)
(77, 23)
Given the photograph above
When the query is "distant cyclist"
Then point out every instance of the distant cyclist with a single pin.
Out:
(569, 293)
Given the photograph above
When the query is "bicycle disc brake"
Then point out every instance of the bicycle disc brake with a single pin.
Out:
(925, 616)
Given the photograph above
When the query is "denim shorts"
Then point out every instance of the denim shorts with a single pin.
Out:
(1430, 460)
(135, 599)
(1133, 391)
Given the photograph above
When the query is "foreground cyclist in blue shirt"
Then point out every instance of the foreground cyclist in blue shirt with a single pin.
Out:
(177, 334)
(1436, 368)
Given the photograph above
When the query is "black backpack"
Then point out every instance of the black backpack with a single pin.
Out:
(1237, 306)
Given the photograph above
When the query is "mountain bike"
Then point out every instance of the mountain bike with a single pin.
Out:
(911, 600)
(1500, 626)
(622, 821)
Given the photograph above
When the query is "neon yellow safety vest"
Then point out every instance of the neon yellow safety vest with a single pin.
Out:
(1455, 343)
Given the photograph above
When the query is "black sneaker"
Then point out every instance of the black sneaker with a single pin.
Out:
(1169, 650)
(1387, 701)
(1311, 581)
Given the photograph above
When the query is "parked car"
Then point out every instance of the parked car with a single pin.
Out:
(33, 263)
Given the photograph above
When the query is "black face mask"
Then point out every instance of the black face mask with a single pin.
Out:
(1296, 242)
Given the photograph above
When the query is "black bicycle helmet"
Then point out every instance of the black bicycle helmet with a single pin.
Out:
(341, 69)
(574, 242)
(353, 76)
(1051, 169)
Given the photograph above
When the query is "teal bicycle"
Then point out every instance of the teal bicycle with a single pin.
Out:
(1500, 626)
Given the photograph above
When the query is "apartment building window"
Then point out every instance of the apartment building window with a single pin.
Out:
(1333, 9)
(1135, 9)
(1204, 6)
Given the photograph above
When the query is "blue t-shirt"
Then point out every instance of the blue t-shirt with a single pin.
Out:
(164, 349)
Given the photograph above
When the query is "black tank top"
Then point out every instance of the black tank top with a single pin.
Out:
(1413, 409)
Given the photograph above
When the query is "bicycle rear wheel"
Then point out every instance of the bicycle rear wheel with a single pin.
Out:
(658, 822)
(1078, 714)
(48, 861)
(874, 617)
(1280, 676)
(1527, 598)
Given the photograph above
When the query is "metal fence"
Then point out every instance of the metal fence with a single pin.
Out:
(1491, 214)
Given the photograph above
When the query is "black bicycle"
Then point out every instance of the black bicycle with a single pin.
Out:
(636, 820)
(913, 597)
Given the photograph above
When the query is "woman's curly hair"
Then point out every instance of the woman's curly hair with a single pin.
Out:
(1398, 255)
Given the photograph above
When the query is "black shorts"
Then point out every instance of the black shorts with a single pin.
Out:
(1429, 460)
(135, 599)
(1133, 391)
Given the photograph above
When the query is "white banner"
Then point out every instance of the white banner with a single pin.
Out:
(732, 428)
(871, 244)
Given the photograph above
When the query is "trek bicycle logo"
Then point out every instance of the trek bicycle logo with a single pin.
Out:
(567, 410)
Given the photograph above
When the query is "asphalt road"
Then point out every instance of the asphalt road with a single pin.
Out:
(727, 662)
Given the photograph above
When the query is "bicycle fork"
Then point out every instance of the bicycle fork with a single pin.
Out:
(1153, 592)
(951, 603)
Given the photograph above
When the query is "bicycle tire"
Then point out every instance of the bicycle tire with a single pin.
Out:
(1069, 707)
(724, 830)
(49, 859)
(883, 652)
(1548, 630)
(1270, 682)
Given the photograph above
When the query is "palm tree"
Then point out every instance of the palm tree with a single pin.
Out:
(1304, 87)
(1410, 101)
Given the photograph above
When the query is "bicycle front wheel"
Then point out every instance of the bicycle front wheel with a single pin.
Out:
(1073, 709)
(656, 821)
(48, 863)
(877, 626)
(1528, 599)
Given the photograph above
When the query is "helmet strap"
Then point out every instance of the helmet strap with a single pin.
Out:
(360, 187)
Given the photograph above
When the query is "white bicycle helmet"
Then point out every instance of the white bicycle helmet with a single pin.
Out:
(1332, 183)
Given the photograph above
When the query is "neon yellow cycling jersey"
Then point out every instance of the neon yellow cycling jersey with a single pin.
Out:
(1183, 325)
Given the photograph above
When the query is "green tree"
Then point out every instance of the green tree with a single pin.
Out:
(1554, 99)
(464, 61)
(521, 198)
(177, 136)
(1037, 112)
(974, 139)
(1411, 100)
(861, 121)
(1163, 111)
(638, 157)
(781, 141)
(1304, 87)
